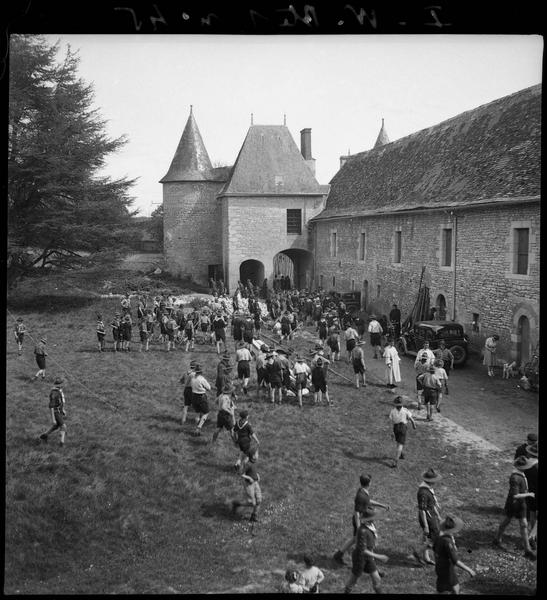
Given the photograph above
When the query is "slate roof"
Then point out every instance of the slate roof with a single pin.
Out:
(191, 161)
(490, 153)
(270, 162)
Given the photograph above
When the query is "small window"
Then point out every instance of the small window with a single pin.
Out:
(362, 241)
(333, 282)
(521, 250)
(475, 323)
(294, 220)
(333, 244)
(320, 281)
(378, 292)
(398, 247)
(446, 248)
(352, 285)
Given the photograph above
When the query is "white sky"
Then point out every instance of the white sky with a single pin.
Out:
(340, 86)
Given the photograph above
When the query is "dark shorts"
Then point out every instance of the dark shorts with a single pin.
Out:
(285, 329)
(248, 337)
(320, 386)
(322, 335)
(59, 419)
(419, 385)
(225, 419)
(350, 345)
(375, 339)
(399, 430)
(334, 346)
(200, 404)
(170, 335)
(144, 336)
(430, 395)
(20, 337)
(238, 335)
(187, 395)
(41, 361)
(300, 380)
(220, 334)
(204, 327)
(275, 384)
(362, 564)
(100, 337)
(515, 509)
(358, 367)
(243, 369)
(447, 581)
(261, 375)
(115, 335)
(189, 333)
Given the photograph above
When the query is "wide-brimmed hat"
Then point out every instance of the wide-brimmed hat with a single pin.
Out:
(398, 401)
(58, 381)
(373, 316)
(431, 475)
(225, 356)
(522, 463)
(198, 369)
(451, 524)
(532, 449)
(43, 339)
(243, 413)
(264, 348)
(532, 437)
(281, 351)
(193, 363)
(19, 318)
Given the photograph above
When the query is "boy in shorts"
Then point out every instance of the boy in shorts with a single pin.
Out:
(252, 489)
(226, 408)
(301, 374)
(319, 372)
(446, 556)
(399, 417)
(186, 380)
(116, 332)
(357, 357)
(245, 438)
(57, 411)
(200, 387)
(333, 342)
(40, 354)
(100, 333)
(363, 556)
(428, 516)
(243, 359)
(19, 332)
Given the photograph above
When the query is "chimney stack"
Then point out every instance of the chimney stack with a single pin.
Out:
(305, 148)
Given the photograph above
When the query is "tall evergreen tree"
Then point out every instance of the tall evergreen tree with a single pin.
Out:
(58, 203)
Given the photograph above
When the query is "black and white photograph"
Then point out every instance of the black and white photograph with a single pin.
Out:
(272, 310)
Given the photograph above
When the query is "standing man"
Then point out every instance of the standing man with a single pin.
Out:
(200, 387)
(57, 411)
(375, 330)
(19, 332)
(395, 320)
(446, 556)
(393, 372)
(399, 417)
(427, 352)
(361, 503)
(428, 516)
(444, 354)
(40, 354)
(243, 359)
(363, 556)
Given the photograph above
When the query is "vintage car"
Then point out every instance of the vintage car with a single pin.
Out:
(352, 300)
(434, 331)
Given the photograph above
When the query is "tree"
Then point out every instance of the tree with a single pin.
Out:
(155, 225)
(58, 203)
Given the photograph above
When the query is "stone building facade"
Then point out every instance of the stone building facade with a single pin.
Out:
(461, 199)
(232, 223)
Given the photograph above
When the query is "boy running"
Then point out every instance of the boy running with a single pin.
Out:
(200, 387)
(252, 489)
(57, 411)
(399, 417)
(226, 409)
(245, 438)
(40, 354)
(243, 359)
(219, 329)
(186, 380)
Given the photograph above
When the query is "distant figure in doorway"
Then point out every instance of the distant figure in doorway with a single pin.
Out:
(395, 319)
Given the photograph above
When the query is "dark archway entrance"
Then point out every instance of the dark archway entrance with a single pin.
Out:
(441, 307)
(253, 270)
(297, 264)
(523, 340)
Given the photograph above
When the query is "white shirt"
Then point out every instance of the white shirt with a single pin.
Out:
(309, 577)
(301, 367)
(351, 334)
(243, 354)
(375, 327)
(200, 385)
(399, 416)
(428, 353)
(441, 373)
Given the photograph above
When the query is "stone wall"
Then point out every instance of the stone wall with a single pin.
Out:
(192, 228)
(483, 283)
(255, 228)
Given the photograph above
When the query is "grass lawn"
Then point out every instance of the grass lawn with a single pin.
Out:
(134, 504)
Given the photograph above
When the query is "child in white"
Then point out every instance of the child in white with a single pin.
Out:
(310, 577)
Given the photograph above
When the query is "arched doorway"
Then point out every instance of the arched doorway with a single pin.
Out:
(441, 307)
(297, 264)
(523, 340)
(253, 270)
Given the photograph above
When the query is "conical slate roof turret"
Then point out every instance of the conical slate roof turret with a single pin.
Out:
(382, 138)
(191, 161)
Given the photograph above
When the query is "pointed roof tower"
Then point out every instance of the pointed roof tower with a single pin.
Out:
(382, 138)
(191, 161)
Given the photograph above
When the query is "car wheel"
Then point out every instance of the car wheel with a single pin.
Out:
(401, 348)
(460, 355)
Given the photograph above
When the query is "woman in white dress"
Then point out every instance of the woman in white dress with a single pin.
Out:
(391, 356)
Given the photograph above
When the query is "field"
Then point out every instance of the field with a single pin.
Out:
(135, 504)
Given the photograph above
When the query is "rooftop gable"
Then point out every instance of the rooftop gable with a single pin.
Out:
(270, 162)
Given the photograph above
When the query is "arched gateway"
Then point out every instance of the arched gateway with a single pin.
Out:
(253, 270)
(297, 264)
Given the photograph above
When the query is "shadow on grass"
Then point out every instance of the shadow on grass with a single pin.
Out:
(166, 418)
(483, 510)
(383, 460)
(219, 509)
(492, 585)
(49, 302)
